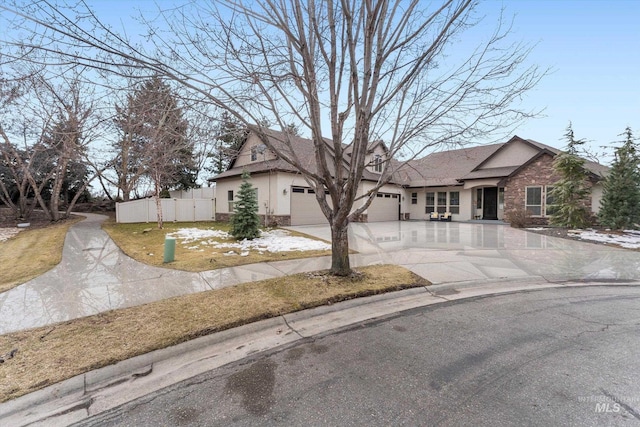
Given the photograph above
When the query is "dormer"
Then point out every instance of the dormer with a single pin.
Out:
(253, 151)
(377, 156)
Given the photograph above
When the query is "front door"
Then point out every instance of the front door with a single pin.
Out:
(490, 205)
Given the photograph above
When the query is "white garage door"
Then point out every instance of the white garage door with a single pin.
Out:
(304, 207)
(385, 207)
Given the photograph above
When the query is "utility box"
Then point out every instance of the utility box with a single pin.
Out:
(169, 249)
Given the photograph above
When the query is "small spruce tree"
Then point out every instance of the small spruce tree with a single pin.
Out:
(620, 204)
(570, 193)
(245, 222)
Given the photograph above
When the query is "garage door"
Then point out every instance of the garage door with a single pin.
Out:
(304, 207)
(385, 207)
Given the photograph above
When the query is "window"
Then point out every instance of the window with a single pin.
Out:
(230, 200)
(550, 207)
(479, 198)
(254, 154)
(431, 202)
(297, 190)
(501, 198)
(533, 201)
(454, 202)
(442, 202)
(414, 198)
(377, 163)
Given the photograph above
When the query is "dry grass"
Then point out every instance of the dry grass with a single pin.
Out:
(144, 242)
(31, 253)
(53, 353)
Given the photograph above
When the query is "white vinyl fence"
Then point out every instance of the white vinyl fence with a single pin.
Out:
(180, 210)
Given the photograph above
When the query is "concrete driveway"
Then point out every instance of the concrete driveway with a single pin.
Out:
(451, 252)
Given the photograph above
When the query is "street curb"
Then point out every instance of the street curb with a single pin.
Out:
(102, 389)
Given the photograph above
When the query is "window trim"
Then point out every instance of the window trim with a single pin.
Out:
(528, 206)
(377, 163)
(426, 200)
(547, 190)
(230, 200)
(454, 208)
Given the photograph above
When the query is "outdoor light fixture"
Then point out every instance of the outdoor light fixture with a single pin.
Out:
(284, 192)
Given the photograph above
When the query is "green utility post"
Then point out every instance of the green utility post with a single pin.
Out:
(169, 249)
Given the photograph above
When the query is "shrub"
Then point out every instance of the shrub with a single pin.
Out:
(518, 218)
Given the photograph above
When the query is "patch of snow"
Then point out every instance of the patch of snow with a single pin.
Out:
(192, 234)
(269, 241)
(535, 228)
(629, 240)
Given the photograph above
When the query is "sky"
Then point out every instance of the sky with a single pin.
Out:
(592, 51)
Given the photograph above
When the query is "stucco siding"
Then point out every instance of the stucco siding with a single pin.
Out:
(244, 156)
(418, 210)
(513, 154)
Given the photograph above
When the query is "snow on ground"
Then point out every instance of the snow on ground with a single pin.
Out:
(630, 239)
(269, 241)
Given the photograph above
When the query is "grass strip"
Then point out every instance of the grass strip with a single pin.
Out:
(31, 253)
(51, 354)
(144, 242)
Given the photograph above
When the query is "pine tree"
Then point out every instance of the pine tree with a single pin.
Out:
(570, 193)
(245, 222)
(620, 204)
(229, 137)
(154, 142)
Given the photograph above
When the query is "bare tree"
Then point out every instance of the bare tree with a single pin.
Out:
(355, 71)
(45, 143)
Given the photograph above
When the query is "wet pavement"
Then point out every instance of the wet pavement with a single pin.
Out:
(452, 252)
(95, 276)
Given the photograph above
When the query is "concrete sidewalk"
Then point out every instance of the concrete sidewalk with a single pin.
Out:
(95, 276)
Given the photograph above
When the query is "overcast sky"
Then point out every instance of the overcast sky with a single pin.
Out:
(591, 46)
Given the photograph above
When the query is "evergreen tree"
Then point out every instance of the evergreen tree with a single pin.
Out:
(229, 137)
(620, 204)
(245, 222)
(570, 193)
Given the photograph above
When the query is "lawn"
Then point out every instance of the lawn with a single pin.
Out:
(31, 253)
(144, 242)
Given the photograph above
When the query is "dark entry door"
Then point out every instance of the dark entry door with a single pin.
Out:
(490, 205)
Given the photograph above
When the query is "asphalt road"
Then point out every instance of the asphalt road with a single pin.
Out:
(550, 357)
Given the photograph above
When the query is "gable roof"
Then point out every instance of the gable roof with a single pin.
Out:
(303, 148)
(438, 169)
(445, 168)
(595, 168)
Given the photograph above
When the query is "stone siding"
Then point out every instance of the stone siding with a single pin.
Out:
(538, 173)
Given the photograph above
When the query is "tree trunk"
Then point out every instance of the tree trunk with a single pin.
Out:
(158, 206)
(340, 249)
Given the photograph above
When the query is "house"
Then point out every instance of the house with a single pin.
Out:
(483, 182)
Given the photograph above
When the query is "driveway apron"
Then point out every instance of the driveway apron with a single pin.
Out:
(453, 252)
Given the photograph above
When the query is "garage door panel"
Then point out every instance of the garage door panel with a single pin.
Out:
(304, 207)
(385, 207)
